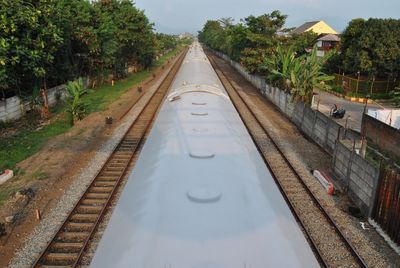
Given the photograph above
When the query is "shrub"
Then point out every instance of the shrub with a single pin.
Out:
(75, 107)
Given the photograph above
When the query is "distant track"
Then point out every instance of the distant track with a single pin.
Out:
(73, 237)
(330, 245)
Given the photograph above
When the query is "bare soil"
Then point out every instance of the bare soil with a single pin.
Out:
(47, 174)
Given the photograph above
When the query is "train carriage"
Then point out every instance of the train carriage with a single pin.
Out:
(200, 195)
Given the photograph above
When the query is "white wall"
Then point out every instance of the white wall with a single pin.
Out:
(390, 117)
(14, 108)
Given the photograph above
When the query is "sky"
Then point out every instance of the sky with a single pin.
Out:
(176, 16)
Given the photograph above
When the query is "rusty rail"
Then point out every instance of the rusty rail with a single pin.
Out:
(73, 237)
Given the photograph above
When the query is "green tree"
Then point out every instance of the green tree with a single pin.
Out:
(29, 39)
(48, 42)
(248, 41)
(262, 37)
(300, 42)
(266, 24)
(372, 47)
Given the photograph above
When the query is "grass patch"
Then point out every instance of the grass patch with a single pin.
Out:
(337, 89)
(6, 192)
(101, 97)
(27, 142)
(167, 56)
(360, 94)
(6, 124)
(40, 175)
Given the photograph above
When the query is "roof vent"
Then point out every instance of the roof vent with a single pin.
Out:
(199, 114)
(202, 155)
(204, 195)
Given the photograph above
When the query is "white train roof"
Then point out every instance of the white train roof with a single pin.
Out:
(200, 195)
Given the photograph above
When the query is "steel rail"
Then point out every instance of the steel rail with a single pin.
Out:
(59, 252)
(227, 83)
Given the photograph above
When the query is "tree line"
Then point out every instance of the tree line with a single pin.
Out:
(370, 47)
(264, 46)
(254, 38)
(44, 43)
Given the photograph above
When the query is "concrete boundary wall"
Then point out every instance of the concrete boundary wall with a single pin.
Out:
(361, 178)
(386, 137)
(14, 108)
(358, 175)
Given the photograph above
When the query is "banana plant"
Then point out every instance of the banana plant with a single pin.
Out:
(279, 67)
(75, 106)
(298, 75)
(310, 76)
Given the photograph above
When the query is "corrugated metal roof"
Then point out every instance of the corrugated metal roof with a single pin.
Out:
(329, 37)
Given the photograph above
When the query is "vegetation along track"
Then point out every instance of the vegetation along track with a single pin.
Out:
(72, 239)
(330, 245)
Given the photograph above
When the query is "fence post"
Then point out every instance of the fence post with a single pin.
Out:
(328, 128)
(372, 84)
(387, 85)
(350, 164)
(358, 81)
(302, 116)
(314, 123)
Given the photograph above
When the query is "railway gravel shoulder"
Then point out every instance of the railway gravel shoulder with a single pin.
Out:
(43, 233)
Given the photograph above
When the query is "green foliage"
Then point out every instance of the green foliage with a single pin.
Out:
(27, 142)
(310, 76)
(261, 48)
(100, 98)
(29, 39)
(253, 58)
(298, 75)
(280, 66)
(300, 42)
(30, 139)
(34, 99)
(75, 107)
(395, 94)
(266, 24)
(372, 47)
(165, 42)
(248, 41)
(49, 42)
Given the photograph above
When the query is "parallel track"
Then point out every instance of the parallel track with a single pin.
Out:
(72, 239)
(297, 194)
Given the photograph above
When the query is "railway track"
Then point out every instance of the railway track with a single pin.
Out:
(330, 245)
(72, 239)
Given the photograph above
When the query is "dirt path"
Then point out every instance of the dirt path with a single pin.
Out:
(48, 173)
